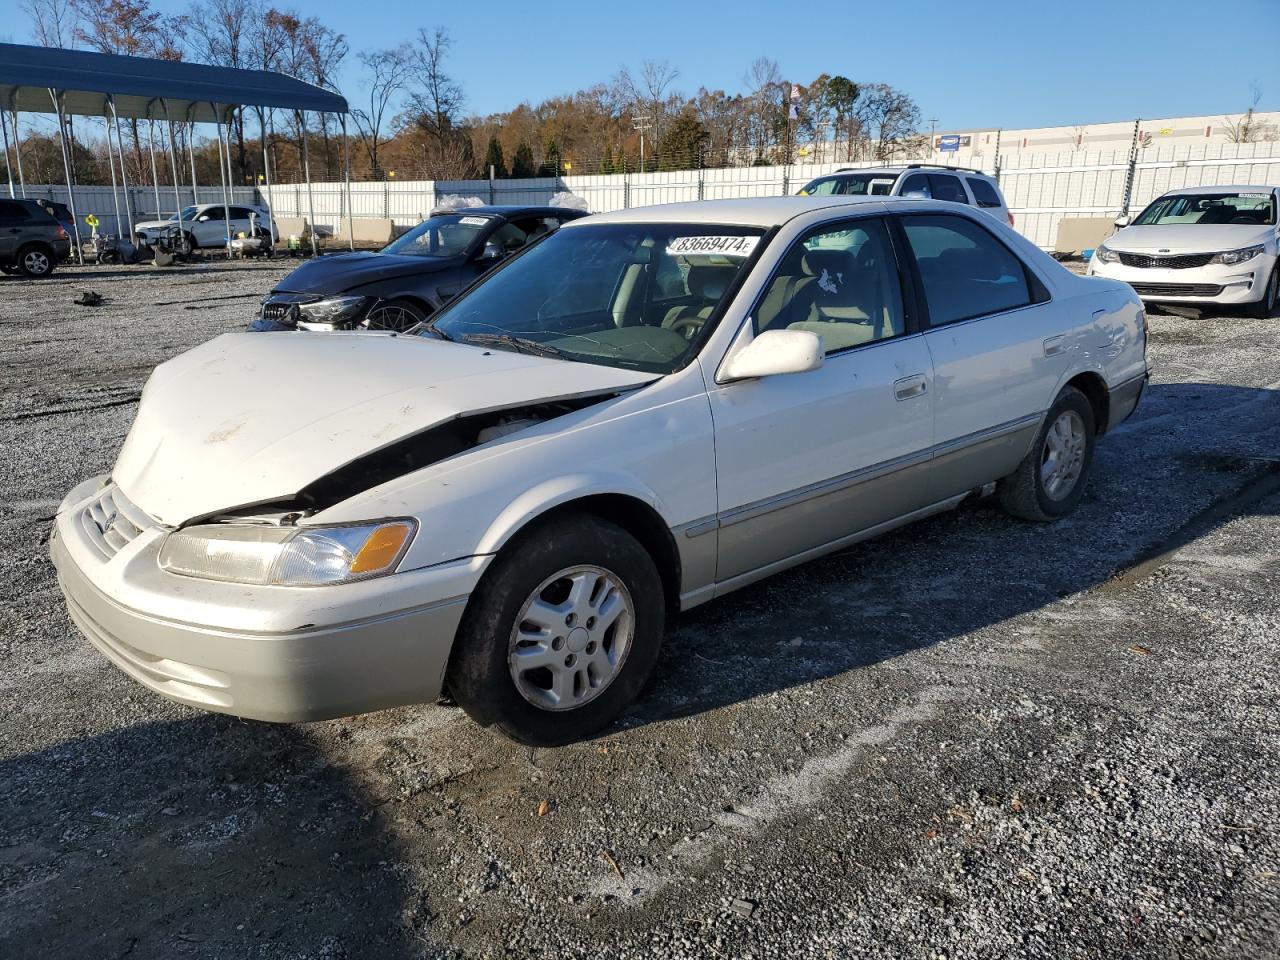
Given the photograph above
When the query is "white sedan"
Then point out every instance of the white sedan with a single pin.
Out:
(645, 410)
(1200, 245)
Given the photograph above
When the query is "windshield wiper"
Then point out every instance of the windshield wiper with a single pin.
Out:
(520, 344)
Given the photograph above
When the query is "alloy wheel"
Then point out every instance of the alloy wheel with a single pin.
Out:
(391, 316)
(571, 638)
(36, 263)
(1062, 460)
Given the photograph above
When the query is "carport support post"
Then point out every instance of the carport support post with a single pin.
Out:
(266, 177)
(17, 148)
(222, 175)
(173, 163)
(66, 169)
(124, 175)
(111, 163)
(346, 181)
(306, 172)
(8, 166)
(155, 174)
(191, 154)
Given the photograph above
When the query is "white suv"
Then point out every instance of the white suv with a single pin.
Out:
(956, 184)
(205, 225)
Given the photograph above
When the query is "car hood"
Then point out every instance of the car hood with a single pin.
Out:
(154, 224)
(1189, 237)
(252, 418)
(347, 270)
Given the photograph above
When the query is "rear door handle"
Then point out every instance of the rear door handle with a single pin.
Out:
(1055, 345)
(908, 387)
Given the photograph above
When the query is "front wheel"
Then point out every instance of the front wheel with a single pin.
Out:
(561, 634)
(395, 315)
(1262, 309)
(1050, 480)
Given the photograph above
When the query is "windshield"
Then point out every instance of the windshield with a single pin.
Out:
(1258, 209)
(445, 236)
(877, 184)
(622, 295)
(188, 213)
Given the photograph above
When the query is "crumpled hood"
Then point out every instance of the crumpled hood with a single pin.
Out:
(249, 418)
(155, 224)
(1189, 237)
(338, 274)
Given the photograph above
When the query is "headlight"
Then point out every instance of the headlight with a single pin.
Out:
(287, 556)
(1238, 256)
(334, 310)
(1105, 255)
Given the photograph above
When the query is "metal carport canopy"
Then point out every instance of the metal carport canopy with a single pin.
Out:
(191, 91)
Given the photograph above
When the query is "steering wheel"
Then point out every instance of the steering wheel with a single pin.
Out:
(688, 327)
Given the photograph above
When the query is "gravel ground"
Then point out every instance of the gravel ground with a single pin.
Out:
(971, 738)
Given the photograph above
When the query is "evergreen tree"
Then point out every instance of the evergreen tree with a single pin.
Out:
(494, 159)
(522, 161)
(606, 164)
(682, 142)
(550, 159)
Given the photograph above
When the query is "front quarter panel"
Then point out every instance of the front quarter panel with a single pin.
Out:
(653, 444)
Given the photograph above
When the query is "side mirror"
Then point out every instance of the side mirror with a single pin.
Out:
(203, 218)
(1123, 221)
(774, 352)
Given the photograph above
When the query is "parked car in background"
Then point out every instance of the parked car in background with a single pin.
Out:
(32, 242)
(955, 184)
(646, 410)
(411, 278)
(205, 225)
(1200, 245)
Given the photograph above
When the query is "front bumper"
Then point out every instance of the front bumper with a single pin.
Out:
(1215, 283)
(267, 653)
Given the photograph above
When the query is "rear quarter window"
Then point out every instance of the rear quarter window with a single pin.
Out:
(984, 194)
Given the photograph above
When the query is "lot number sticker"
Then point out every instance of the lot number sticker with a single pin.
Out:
(474, 221)
(725, 246)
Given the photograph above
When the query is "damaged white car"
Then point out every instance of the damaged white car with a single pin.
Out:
(643, 411)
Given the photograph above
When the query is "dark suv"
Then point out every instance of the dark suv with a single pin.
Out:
(31, 240)
(408, 280)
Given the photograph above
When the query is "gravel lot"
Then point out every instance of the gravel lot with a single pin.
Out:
(972, 738)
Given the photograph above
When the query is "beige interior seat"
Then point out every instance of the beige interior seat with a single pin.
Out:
(707, 283)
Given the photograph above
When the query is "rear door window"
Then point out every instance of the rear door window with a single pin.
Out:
(13, 211)
(984, 194)
(943, 186)
(916, 183)
(964, 270)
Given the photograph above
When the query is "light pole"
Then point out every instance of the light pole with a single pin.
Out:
(933, 126)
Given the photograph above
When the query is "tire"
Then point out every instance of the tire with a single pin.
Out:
(1262, 309)
(36, 261)
(397, 315)
(534, 581)
(1037, 492)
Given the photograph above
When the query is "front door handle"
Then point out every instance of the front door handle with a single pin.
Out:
(908, 387)
(1055, 345)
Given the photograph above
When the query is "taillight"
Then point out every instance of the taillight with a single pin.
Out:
(62, 233)
(1010, 216)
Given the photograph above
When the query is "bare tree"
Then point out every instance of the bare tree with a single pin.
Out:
(657, 78)
(766, 118)
(437, 97)
(53, 22)
(1247, 128)
(387, 73)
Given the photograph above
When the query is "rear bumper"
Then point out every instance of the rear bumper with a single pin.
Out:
(1124, 399)
(315, 671)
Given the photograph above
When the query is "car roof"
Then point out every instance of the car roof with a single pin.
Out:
(515, 210)
(1225, 188)
(752, 211)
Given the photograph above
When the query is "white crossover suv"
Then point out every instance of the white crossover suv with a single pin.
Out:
(930, 181)
(1200, 245)
(206, 225)
(640, 412)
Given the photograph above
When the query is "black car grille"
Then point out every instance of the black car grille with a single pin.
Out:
(1177, 289)
(276, 311)
(1180, 262)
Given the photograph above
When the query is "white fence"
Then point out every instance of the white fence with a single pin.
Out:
(1040, 189)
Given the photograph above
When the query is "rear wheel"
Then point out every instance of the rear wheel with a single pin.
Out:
(1262, 309)
(35, 261)
(561, 634)
(1050, 480)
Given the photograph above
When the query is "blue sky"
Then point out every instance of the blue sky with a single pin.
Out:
(988, 63)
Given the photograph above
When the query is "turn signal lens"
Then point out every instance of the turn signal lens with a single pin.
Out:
(382, 548)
